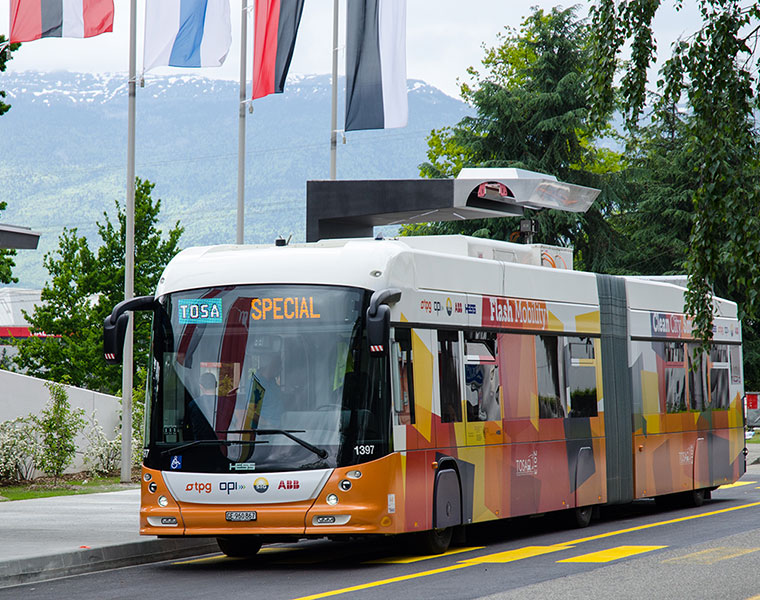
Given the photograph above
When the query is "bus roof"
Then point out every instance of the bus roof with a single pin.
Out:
(455, 264)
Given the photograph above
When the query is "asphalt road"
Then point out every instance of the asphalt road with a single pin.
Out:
(637, 551)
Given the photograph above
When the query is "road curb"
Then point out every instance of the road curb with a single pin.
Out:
(41, 568)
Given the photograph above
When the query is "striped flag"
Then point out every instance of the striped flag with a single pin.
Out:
(275, 38)
(186, 33)
(376, 96)
(35, 19)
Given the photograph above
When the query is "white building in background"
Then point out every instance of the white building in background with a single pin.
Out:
(14, 302)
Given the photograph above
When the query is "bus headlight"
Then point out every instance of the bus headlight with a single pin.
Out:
(163, 501)
(345, 485)
(332, 499)
(152, 487)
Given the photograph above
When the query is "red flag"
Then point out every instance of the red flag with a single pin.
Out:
(276, 27)
(35, 19)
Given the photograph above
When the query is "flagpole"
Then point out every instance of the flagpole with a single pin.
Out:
(241, 126)
(129, 256)
(334, 126)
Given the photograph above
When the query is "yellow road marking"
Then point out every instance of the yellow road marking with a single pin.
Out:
(222, 557)
(413, 559)
(372, 584)
(513, 555)
(604, 556)
(734, 485)
(711, 556)
(488, 558)
(659, 523)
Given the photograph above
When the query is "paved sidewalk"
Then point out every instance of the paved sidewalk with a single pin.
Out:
(54, 537)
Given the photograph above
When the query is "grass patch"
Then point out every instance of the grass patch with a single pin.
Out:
(67, 485)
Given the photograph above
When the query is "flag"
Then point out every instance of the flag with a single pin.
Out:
(186, 33)
(35, 19)
(275, 38)
(376, 96)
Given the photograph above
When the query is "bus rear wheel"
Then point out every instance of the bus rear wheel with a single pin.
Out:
(434, 541)
(239, 546)
(581, 516)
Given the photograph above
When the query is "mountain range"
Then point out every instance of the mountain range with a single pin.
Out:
(65, 145)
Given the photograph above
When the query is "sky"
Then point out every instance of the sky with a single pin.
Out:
(444, 38)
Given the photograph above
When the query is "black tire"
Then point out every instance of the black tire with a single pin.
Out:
(434, 541)
(694, 498)
(239, 546)
(581, 516)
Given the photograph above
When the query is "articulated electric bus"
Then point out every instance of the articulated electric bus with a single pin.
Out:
(415, 385)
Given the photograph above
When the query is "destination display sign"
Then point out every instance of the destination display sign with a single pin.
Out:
(199, 311)
(283, 308)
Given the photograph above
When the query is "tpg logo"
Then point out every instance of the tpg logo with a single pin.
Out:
(230, 486)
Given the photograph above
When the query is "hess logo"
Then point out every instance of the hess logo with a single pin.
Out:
(289, 484)
(198, 487)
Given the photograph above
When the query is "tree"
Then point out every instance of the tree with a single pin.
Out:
(6, 260)
(6, 48)
(82, 290)
(712, 73)
(531, 112)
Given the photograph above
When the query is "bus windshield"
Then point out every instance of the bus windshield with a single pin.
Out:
(264, 378)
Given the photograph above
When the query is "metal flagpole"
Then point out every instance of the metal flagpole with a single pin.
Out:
(241, 125)
(129, 257)
(334, 130)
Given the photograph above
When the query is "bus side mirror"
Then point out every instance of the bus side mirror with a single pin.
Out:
(379, 320)
(115, 326)
(379, 331)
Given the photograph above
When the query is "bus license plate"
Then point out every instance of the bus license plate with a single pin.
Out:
(240, 515)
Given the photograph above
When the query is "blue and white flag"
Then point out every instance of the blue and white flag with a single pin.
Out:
(376, 93)
(186, 33)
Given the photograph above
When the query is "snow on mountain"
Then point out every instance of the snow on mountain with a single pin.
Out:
(65, 159)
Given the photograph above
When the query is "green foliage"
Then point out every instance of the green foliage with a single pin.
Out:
(712, 72)
(82, 289)
(6, 49)
(58, 425)
(531, 104)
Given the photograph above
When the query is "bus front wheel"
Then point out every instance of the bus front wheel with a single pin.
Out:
(239, 546)
(434, 541)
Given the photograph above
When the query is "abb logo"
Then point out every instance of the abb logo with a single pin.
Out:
(289, 484)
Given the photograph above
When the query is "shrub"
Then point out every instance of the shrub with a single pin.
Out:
(19, 448)
(103, 454)
(58, 427)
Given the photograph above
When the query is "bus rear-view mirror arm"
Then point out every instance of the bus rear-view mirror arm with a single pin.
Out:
(379, 320)
(115, 326)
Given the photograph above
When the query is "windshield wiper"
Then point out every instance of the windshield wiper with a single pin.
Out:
(320, 452)
(212, 443)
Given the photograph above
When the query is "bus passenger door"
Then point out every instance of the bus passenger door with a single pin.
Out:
(483, 395)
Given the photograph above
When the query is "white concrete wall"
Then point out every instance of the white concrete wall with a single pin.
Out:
(21, 395)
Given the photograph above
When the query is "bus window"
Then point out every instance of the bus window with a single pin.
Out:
(719, 376)
(675, 378)
(481, 372)
(550, 402)
(697, 379)
(580, 370)
(736, 364)
(403, 379)
(448, 376)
